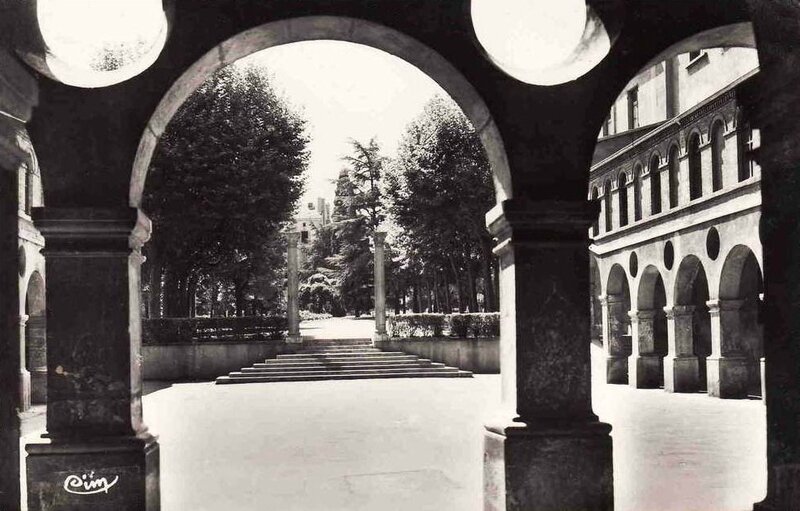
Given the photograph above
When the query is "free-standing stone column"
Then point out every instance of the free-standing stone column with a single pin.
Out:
(36, 339)
(547, 450)
(293, 289)
(727, 371)
(645, 364)
(615, 340)
(95, 434)
(24, 374)
(380, 288)
(681, 367)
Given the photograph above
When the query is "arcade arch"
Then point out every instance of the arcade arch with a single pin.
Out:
(616, 305)
(649, 331)
(689, 329)
(36, 337)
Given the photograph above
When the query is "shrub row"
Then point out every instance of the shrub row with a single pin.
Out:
(482, 324)
(306, 315)
(190, 330)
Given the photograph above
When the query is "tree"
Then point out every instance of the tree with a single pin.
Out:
(225, 178)
(440, 188)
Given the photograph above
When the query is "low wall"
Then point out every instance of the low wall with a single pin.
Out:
(205, 360)
(481, 356)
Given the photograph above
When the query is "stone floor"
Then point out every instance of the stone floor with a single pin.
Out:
(417, 445)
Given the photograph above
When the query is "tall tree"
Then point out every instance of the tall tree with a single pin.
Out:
(226, 176)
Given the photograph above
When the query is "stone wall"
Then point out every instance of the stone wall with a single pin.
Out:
(481, 356)
(205, 361)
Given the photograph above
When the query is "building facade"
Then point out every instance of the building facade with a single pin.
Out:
(312, 217)
(676, 265)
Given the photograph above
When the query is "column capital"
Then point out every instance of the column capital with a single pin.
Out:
(608, 300)
(88, 230)
(642, 314)
(679, 311)
(23, 319)
(541, 222)
(379, 236)
(293, 237)
(715, 306)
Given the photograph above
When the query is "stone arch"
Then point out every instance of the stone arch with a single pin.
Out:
(596, 224)
(595, 306)
(337, 28)
(691, 292)
(651, 298)
(36, 337)
(655, 182)
(609, 218)
(674, 172)
(693, 141)
(716, 136)
(740, 290)
(617, 325)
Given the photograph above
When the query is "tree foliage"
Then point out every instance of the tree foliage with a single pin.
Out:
(225, 178)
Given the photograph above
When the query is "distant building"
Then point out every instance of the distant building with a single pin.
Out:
(676, 265)
(312, 217)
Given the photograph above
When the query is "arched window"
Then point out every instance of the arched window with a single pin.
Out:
(623, 199)
(717, 154)
(655, 185)
(695, 167)
(674, 167)
(596, 224)
(607, 204)
(637, 192)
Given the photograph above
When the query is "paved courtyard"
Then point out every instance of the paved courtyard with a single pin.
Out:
(417, 445)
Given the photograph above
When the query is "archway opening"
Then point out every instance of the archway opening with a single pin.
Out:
(692, 319)
(36, 338)
(695, 167)
(652, 341)
(740, 296)
(617, 327)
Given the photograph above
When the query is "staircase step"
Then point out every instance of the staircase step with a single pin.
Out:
(380, 363)
(369, 367)
(337, 342)
(349, 376)
(340, 355)
(330, 372)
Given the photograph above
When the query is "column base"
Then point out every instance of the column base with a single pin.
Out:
(616, 369)
(119, 473)
(548, 469)
(380, 336)
(681, 374)
(646, 371)
(727, 377)
(39, 386)
(24, 390)
(294, 339)
(784, 489)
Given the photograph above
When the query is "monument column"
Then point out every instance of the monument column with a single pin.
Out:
(546, 449)
(95, 434)
(24, 374)
(614, 340)
(644, 363)
(727, 371)
(681, 367)
(293, 289)
(380, 288)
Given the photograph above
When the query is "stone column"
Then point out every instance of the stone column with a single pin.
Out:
(681, 367)
(727, 371)
(615, 341)
(645, 365)
(380, 288)
(94, 407)
(37, 357)
(24, 374)
(293, 289)
(546, 449)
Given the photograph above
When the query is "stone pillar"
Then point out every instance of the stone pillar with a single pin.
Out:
(645, 365)
(293, 289)
(95, 432)
(727, 371)
(547, 449)
(24, 374)
(380, 288)
(681, 367)
(615, 340)
(36, 338)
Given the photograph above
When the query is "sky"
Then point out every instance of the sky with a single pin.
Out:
(345, 90)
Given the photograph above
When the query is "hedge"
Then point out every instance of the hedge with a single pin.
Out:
(483, 324)
(192, 330)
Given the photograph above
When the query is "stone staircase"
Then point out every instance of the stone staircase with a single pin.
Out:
(341, 359)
